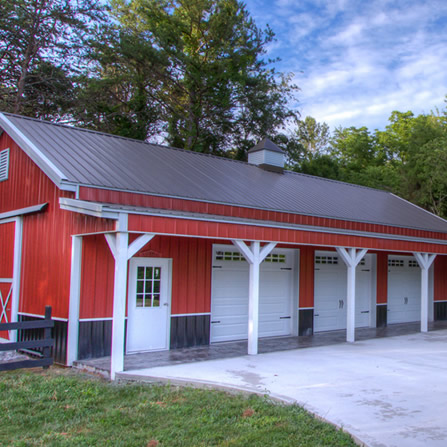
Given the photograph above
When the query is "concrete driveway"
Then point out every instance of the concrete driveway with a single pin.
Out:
(386, 392)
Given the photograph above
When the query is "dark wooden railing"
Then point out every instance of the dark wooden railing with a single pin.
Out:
(44, 344)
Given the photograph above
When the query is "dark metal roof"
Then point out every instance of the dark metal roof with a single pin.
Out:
(96, 159)
(266, 144)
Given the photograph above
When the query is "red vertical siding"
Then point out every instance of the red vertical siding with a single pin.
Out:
(191, 271)
(382, 278)
(6, 249)
(307, 275)
(217, 230)
(191, 274)
(97, 277)
(46, 249)
(440, 278)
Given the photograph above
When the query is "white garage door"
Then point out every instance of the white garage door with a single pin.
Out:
(229, 296)
(330, 292)
(404, 289)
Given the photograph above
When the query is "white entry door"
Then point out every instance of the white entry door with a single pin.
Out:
(331, 292)
(404, 289)
(148, 305)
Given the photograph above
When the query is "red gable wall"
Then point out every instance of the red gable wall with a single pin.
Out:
(46, 252)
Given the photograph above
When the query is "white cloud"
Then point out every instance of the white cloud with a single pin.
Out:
(356, 62)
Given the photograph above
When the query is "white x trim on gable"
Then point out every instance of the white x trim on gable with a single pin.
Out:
(4, 300)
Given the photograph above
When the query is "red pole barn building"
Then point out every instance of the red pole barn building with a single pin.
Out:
(140, 247)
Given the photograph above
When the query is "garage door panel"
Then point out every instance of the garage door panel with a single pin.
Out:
(272, 328)
(330, 304)
(329, 322)
(229, 302)
(404, 286)
(229, 310)
(220, 333)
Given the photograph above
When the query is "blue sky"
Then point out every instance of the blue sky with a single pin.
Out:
(356, 61)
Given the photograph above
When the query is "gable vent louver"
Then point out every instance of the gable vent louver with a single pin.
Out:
(4, 164)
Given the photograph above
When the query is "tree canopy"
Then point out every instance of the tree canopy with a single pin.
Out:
(195, 74)
(192, 70)
(41, 47)
(408, 158)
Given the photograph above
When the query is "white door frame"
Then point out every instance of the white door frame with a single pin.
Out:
(133, 263)
(14, 293)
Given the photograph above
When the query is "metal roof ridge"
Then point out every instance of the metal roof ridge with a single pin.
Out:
(70, 127)
(109, 135)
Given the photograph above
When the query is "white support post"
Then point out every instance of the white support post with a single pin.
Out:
(75, 296)
(254, 256)
(425, 260)
(16, 275)
(121, 245)
(351, 258)
(121, 250)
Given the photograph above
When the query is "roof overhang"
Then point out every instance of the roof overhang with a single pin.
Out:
(94, 209)
(41, 160)
(113, 211)
(22, 211)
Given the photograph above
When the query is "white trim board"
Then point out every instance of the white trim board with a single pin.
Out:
(26, 314)
(10, 215)
(41, 160)
(98, 319)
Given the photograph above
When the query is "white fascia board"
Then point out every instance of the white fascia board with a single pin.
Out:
(22, 211)
(89, 208)
(41, 160)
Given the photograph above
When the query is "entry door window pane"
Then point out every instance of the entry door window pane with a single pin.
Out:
(148, 287)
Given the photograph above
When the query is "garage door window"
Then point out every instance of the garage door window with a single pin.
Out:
(395, 262)
(276, 257)
(236, 256)
(229, 256)
(326, 260)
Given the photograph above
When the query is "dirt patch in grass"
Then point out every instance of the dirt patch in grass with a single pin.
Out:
(61, 407)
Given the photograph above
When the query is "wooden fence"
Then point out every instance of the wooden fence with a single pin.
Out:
(44, 344)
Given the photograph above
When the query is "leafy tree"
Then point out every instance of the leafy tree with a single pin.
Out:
(203, 74)
(322, 165)
(306, 140)
(117, 96)
(354, 147)
(313, 136)
(430, 165)
(48, 92)
(40, 43)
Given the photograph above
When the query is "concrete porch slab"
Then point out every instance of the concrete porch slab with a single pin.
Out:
(385, 391)
(239, 348)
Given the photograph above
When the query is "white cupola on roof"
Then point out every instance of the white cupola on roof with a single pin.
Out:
(267, 155)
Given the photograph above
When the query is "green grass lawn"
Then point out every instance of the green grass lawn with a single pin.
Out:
(60, 407)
